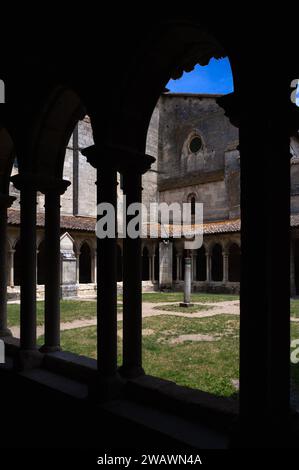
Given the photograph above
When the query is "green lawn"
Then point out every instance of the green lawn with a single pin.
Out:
(179, 297)
(295, 308)
(79, 309)
(70, 310)
(207, 365)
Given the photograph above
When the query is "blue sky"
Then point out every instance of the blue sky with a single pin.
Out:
(216, 77)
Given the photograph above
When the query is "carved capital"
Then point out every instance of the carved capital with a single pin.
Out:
(6, 201)
(122, 159)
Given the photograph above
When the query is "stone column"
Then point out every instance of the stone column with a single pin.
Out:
(265, 324)
(52, 191)
(136, 165)
(27, 185)
(225, 266)
(187, 283)
(78, 267)
(11, 268)
(5, 202)
(107, 381)
(94, 267)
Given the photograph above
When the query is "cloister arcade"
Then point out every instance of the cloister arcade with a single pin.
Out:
(37, 128)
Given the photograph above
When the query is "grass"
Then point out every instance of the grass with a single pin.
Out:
(209, 366)
(177, 308)
(79, 309)
(295, 308)
(157, 297)
(70, 310)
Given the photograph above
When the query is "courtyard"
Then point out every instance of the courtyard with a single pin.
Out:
(196, 347)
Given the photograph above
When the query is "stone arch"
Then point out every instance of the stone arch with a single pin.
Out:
(173, 48)
(62, 110)
(234, 262)
(217, 262)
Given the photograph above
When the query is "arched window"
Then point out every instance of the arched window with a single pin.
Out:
(85, 264)
(41, 263)
(217, 263)
(201, 263)
(234, 258)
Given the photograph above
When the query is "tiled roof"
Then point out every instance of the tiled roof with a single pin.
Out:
(87, 224)
(68, 222)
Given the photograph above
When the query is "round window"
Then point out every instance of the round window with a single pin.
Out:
(195, 144)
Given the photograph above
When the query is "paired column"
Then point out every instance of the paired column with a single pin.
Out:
(52, 193)
(132, 269)
(106, 269)
(5, 202)
(27, 185)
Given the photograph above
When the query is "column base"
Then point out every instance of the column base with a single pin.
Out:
(28, 359)
(5, 332)
(49, 349)
(186, 304)
(105, 388)
(131, 372)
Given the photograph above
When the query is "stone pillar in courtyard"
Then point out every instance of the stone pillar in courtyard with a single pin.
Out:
(187, 282)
